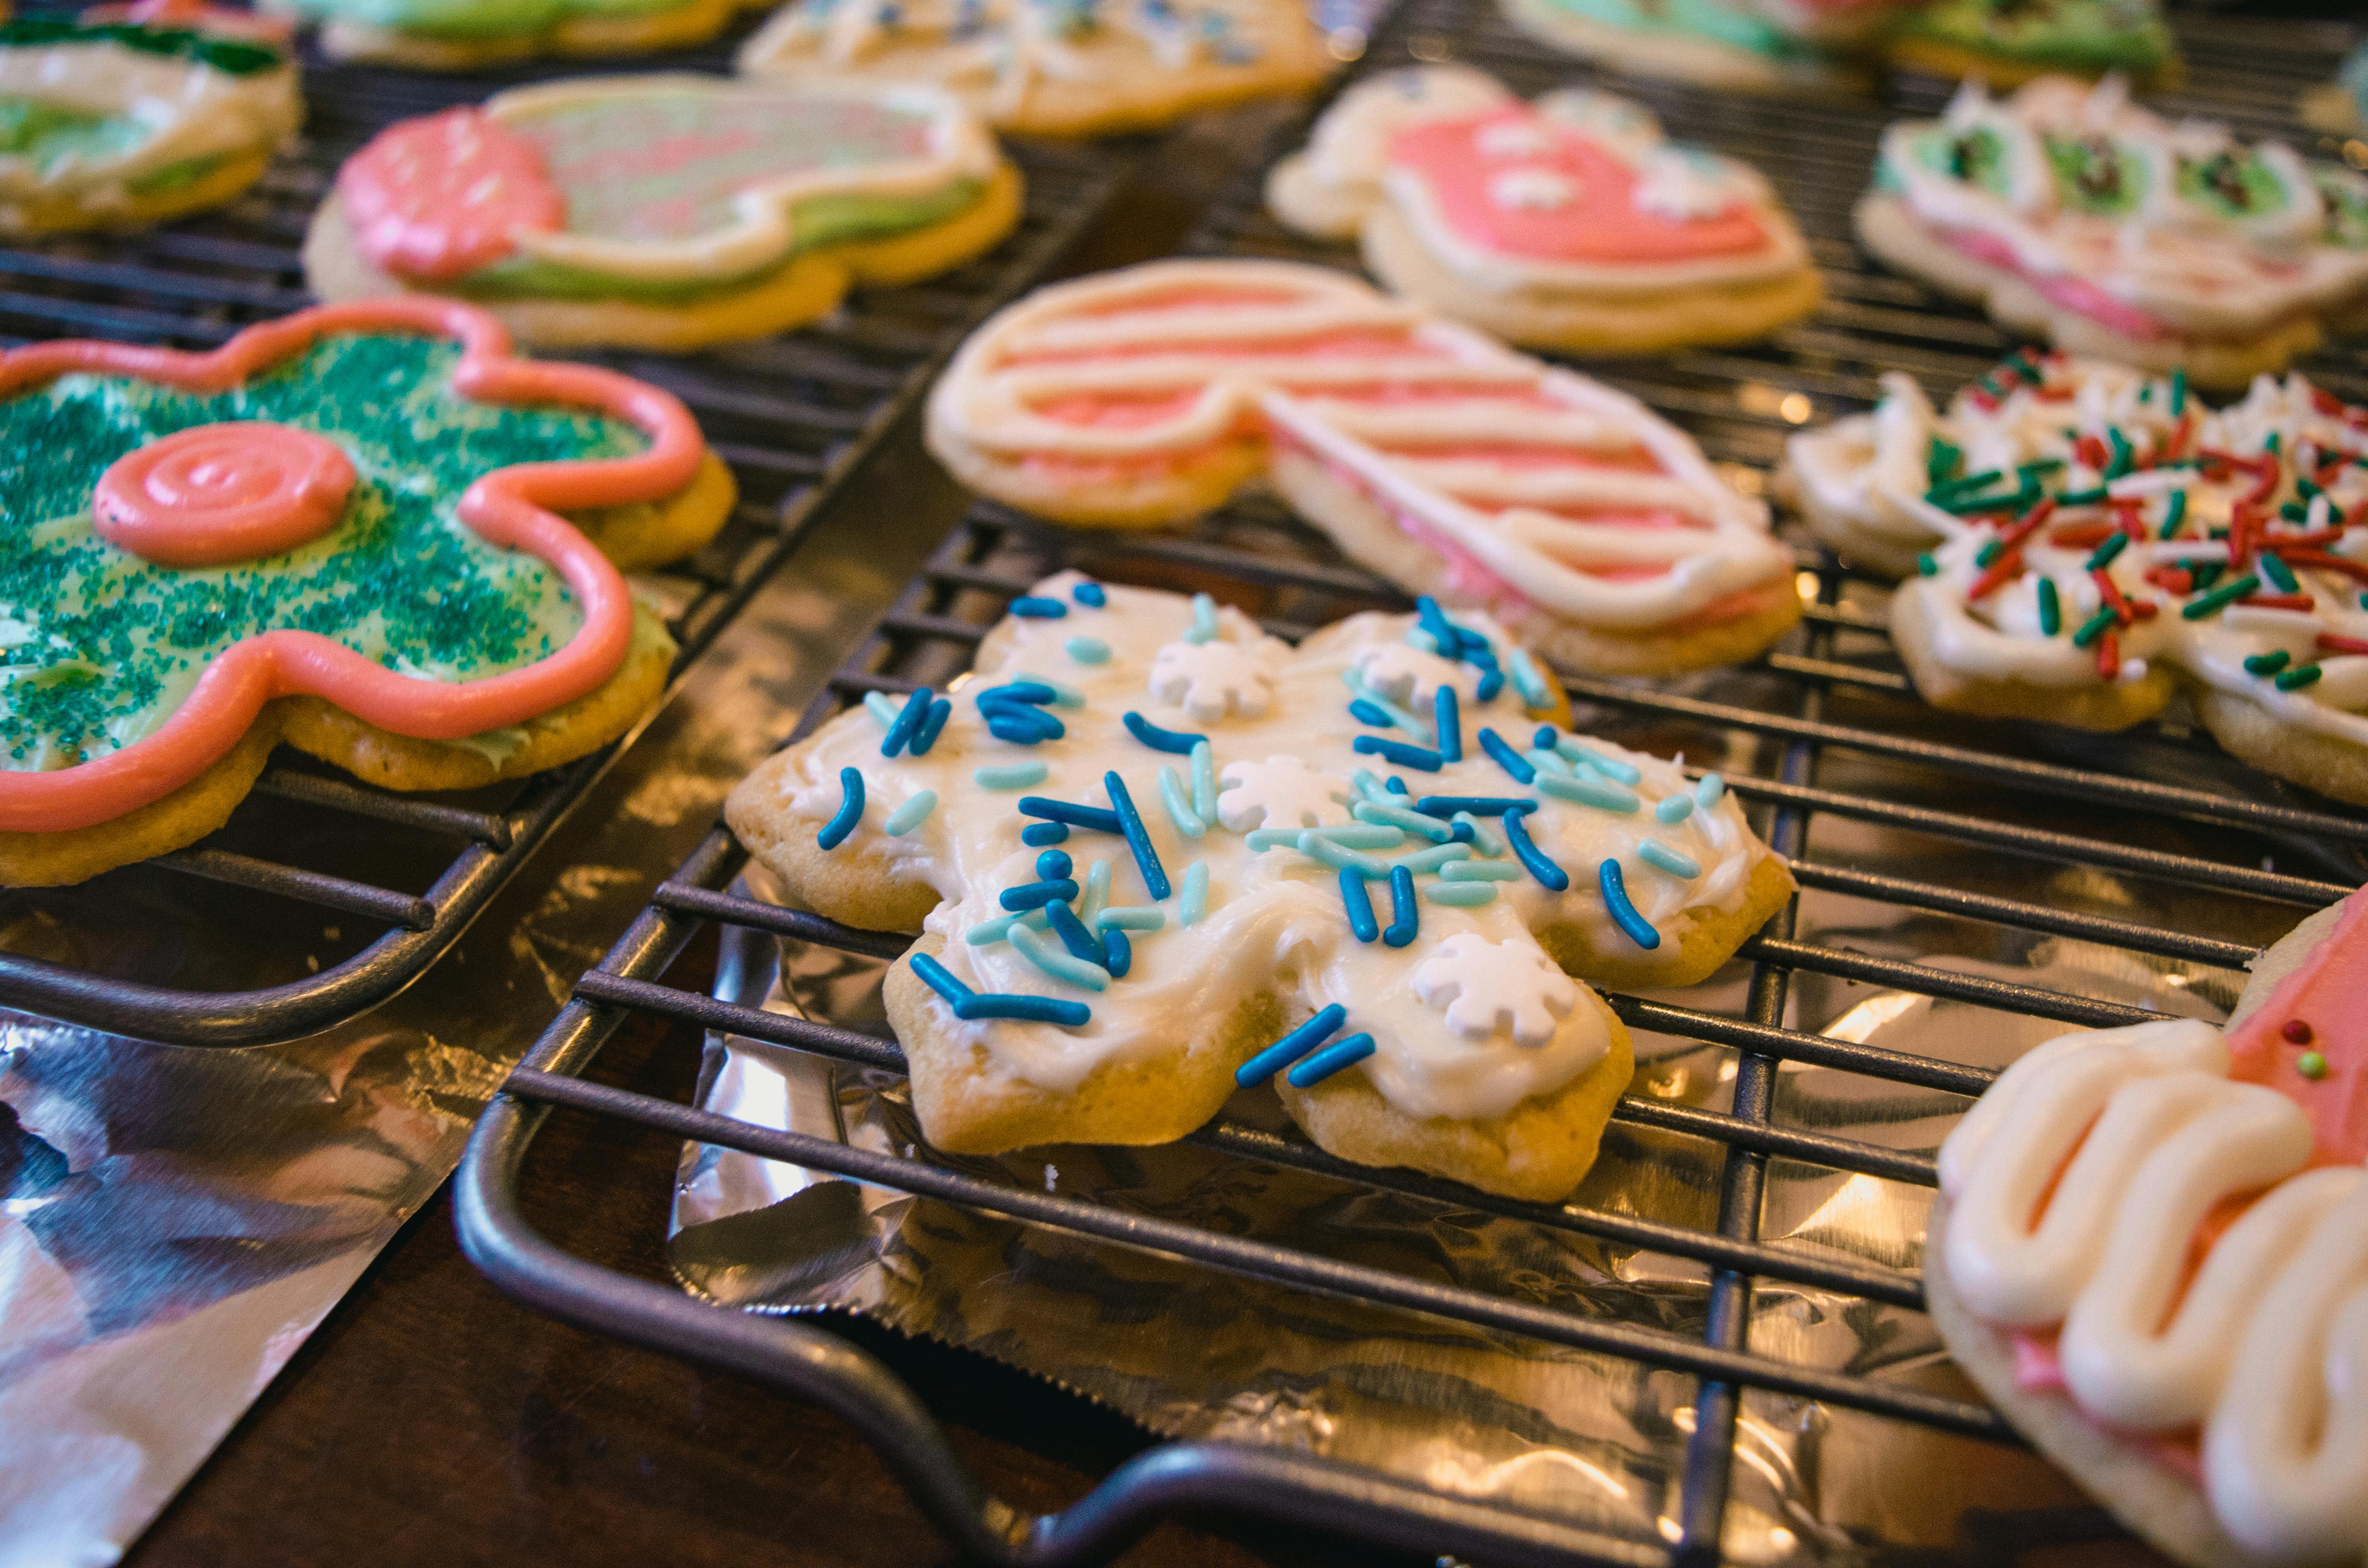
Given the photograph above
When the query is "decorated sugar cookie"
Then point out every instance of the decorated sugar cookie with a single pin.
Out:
(2092, 538)
(1589, 527)
(1754, 44)
(2151, 1251)
(2007, 43)
(1567, 224)
(1155, 854)
(1053, 67)
(125, 120)
(348, 529)
(467, 35)
(664, 212)
(2071, 213)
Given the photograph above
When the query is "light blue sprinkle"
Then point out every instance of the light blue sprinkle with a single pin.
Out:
(994, 930)
(1096, 893)
(1370, 786)
(1460, 895)
(1261, 839)
(1132, 917)
(1057, 962)
(1533, 685)
(1179, 809)
(1399, 817)
(1707, 789)
(1653, 852)
(1063, 694)
(1435, 858)
(1479, 871)
(1397, 715)
(1195, 901)
(911, 815)
(1483, 841)
(1594, 792)
(877, 704)
(1010, 775)
(1674, 808)
(1363, 835)
(1418, 638)
(1550, 762)
(1610, 766)
(1088, 650)
(1204, 782)
(1205, 620)
(1317, 848)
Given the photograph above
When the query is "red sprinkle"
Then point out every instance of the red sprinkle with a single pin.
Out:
(2278, 601)
(2109, 656)
(2111, 594)
(2327, 402)
(2172, 579)
(2297, 1032)
(2330, 642)
(2092, 450)
(2355, 570)
(2082, 536)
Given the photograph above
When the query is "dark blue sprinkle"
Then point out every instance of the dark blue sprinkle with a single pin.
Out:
(938, 979)
(1364, 713)
(1292, 1047)
(1039, 609)
(1340, 1054)
(908, 722)
(1449, 719)
(1072, 933)
(1157, 739)
(1360, 903)
(1492, 681)
(1395, 786)
(1146, 858)
(1053, 865)
(1036, 895)
(1090, 595)
(1506, 757)
(1478, 805)
(1034, 1009)
(1405, 916)
(1545, 737)
(1037, 835)
(1434, 621)
(1422, 759)
(1118, 952)
(1003, 727)
(1473, 644)
(940, 709)
(1517, 834)
(1034, 692)
(1095, 819)
(1464, 833)
(1623, 913)
(850, 810)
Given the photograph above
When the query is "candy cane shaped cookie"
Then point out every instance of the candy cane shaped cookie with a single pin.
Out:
(2151, 1250)
(1450, 463)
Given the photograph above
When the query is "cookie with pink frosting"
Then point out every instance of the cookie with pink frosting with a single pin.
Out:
(365, 530)
(1568, 222)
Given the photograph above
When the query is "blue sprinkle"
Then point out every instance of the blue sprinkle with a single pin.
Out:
(1010, 775)
(1359, 903)
(1600, 793)
(1088, 650)
(1398, 817)
(1397, 715)
(1434, 621)
(1656, 853)
(1546, 738)
(1036, 835)
(1531, 685)
(1036, 895)
(1093, 818)
(1330, 1060)
(1090, 595)
(1517, 834)
(909, 721)
(1707, 789)
(1477, 805)
(911, 815)
(1037, 607)
(1034, 693)
(1479, 837)
(1071, 931)
(1204, 619)
(1610, 766)
(1492, 681)
(1674, 808)
(1397, 786)
(1157, 739)
(940, 709)
(1420, 758)
(1450, 724)
(1406, 916)
(1292, 1047)
(1180, 807)
(1503, 755)
(939, 979)
(1059, 965)
(1132, 918)
(878, 707)
(1117, 952)
(1204, 782)
(1005, 724)
(1063, 694)
(1053, 865)
(1033, 1010)
(850, 810)
(1195, 901)
(1623, 913)
(1138, 838)
(1366, 711)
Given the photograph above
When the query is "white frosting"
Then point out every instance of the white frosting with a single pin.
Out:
(2076, 1185)
(1275, 921)
(1393, 413)
(1546, 189)
(1349, 144)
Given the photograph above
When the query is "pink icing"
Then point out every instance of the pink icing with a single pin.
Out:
(437, 197)
(515, 508)
(2072, 293)
(215, 493)
(2328, 994)
(1598, 222)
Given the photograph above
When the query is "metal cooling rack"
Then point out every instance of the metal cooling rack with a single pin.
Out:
(401, 876)
(1838, 739)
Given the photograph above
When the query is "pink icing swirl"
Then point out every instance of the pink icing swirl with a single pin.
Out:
(437, 197)
(215, 493)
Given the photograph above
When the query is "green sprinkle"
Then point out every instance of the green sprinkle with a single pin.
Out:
(1461, 895)
(1194, 903)
(2094, 627)
(2298, 678)
(1179, 809)
(2051, 607)
(2219, 598)
(911, 815)
(2036, 468)
(1600, 794)
(2278, 573)
(1989, 554)
(1058, 962)
(2293, 512)
(2311, 1066)
(2178, 393)
(1479, 871)
(1010, 775)
(2174, 514)
(1938, 458)
(1655, 853)
(1204, 782)
(1926, 566)
(2012, 500)
(2203, 574)
(2104, 554)
(1971, 481)
(2267, 663)
(1063, 694)
(1438, 857)
(2270, 443)
(1097, 895)
(2123, 456)
(1088, 650)
(2082, 497)
(1132, 917)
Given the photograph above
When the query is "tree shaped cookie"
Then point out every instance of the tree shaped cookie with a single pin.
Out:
(343, 530)
(1566, 223)
(1588, 525)
(2151, 1250)
(1154, 853)
(2007, 43)
(664, 212)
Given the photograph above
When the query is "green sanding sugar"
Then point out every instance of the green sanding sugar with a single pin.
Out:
(97, 647)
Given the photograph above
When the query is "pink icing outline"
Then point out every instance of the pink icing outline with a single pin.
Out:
(506, 508)
(165, 502)
(422, 213)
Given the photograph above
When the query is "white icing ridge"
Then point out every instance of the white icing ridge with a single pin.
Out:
(1485, 448)
(1275, 917)
(2132, 1137)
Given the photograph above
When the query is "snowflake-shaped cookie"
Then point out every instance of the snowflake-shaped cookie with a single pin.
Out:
(1212, 680)
(1282, 791)
(1484, 986)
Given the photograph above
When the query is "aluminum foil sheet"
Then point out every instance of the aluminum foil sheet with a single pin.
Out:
(1190, 1352)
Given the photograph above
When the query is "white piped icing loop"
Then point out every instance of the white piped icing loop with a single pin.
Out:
(1551, 490)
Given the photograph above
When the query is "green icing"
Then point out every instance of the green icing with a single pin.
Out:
(1977, 156)
(1734, 25)
(2347, 206)
(174, 176)
(49, 133)
(2234, 183)
(2076, 35)
(2094, 174)
(234, 57)
(467, 21)
(98, 646)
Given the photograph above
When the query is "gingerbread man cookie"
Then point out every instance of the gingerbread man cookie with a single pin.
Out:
(664, 212)
(1588, 526)
(2070, 213)
(1155, 854)
(2151, 1252)
(1567, 224)
(342, 529)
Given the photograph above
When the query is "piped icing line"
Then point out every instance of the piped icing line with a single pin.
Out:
(1552, 491)
(2185, 1213)
(514, 507)
(1300, 881)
